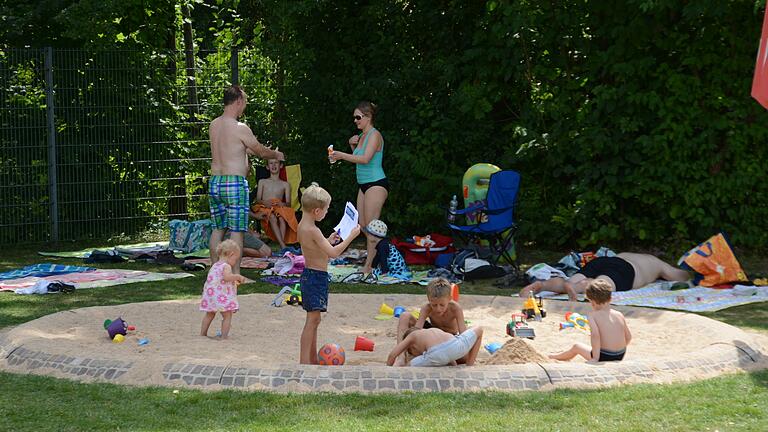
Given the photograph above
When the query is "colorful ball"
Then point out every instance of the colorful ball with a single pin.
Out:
(118, 338)
(331, 354)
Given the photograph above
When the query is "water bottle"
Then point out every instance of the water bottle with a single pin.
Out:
(454, 204)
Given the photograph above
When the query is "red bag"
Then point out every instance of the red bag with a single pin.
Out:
(415, 254)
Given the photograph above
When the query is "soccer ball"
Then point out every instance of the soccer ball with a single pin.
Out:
(331, 354)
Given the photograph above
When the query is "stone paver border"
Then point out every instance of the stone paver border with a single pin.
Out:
(716, 359)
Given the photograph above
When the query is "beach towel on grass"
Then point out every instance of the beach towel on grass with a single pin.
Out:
(93, 279)
(246, 262)
(697, 299)
(45, 269)
(345, 273)
(124, 250)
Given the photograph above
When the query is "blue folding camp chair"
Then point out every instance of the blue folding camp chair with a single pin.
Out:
(496, 221)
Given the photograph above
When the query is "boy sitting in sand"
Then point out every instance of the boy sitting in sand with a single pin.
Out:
(434, 347)
(314, 279)
(610, 333)
(273, 198)
(440, 312)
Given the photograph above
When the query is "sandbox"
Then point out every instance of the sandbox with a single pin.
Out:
(262, 352)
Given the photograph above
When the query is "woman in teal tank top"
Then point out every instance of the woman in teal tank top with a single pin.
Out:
(373, 186)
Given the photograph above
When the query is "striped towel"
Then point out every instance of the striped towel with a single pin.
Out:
(41, 270)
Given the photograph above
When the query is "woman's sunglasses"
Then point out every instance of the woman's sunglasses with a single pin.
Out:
(358, 117)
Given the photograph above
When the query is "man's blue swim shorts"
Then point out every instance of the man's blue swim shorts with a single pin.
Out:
(228, 200)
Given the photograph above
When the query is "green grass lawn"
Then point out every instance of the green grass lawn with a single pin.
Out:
(730, 403)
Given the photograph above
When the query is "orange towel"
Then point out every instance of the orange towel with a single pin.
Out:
(286, 213)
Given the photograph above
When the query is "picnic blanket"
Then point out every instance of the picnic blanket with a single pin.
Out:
(44, 269)
(246, 262)
(280, 280)
(351, 274)
(126, 250)
(93, 279)
(696, 299)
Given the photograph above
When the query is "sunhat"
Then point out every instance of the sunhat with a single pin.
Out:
(376, 228)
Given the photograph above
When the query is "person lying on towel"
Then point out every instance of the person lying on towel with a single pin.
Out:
(272, 206)
(623, 272)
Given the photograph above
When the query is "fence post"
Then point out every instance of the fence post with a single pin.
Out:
(235, 67)
(51, 129)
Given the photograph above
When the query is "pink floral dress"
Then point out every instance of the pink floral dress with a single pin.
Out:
(218, 295)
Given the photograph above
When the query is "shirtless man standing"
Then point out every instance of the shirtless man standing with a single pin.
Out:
(231, 143)
(623, 272)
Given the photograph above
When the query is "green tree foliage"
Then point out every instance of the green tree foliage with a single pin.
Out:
(630, 121)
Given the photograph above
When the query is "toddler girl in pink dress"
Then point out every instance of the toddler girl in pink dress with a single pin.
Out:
(220, 290)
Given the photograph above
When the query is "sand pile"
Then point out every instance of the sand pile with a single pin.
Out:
(516, 350)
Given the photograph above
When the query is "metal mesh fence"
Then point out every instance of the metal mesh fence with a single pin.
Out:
(23, 149)
(109, 143)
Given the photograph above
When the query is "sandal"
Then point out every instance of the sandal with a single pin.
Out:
(370, 278)
(352, 278)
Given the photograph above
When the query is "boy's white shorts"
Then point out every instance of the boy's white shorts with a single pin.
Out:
(448, 351)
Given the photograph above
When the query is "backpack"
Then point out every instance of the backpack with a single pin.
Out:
(190, 236)
(467, 265)
(459, 259)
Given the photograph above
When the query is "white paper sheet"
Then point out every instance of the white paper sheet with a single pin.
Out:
(348, 222)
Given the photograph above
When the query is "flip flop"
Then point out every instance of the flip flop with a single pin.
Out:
(353, 278)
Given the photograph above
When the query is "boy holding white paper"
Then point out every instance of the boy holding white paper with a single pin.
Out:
(314, 279)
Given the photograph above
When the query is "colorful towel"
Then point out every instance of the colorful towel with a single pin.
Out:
(346, 274)
(126, 250)
(94, 279)
(45, 269)
(247, 262)
(696, 299)
(280, 280)
(282, 212)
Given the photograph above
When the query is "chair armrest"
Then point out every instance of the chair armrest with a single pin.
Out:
(497, 210)
(471, 208)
